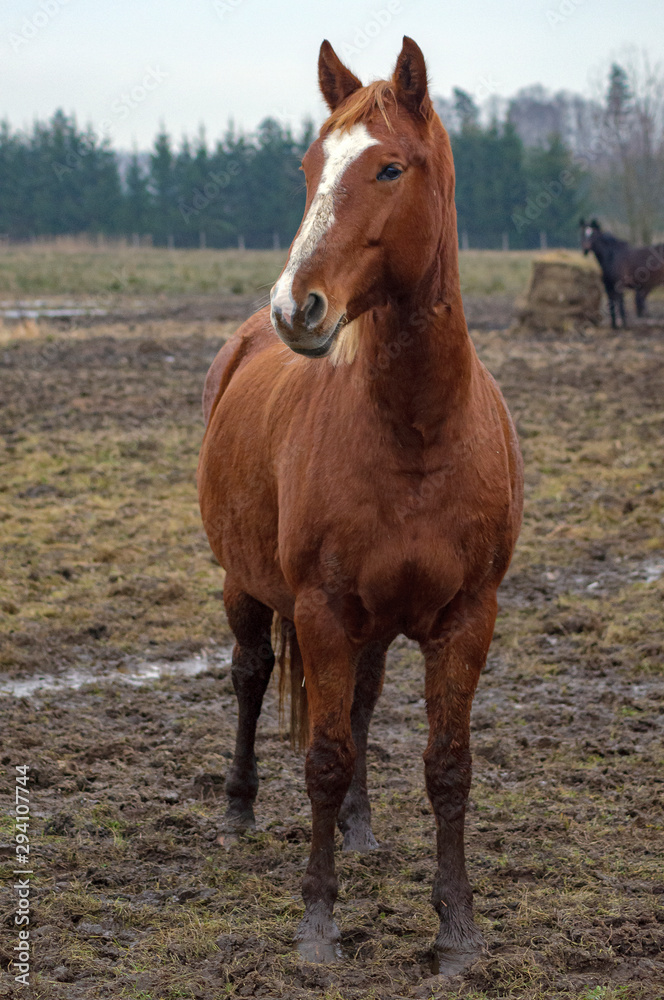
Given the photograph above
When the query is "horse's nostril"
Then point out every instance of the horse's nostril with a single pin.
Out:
(314, 310)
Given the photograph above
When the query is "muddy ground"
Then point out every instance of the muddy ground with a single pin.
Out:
(105, 565)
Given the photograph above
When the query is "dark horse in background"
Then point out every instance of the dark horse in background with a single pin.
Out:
(623, 266)
(360, 478)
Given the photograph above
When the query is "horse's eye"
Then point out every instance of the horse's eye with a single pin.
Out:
(389, 173)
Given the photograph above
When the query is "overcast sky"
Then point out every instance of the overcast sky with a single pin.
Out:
(126, 65)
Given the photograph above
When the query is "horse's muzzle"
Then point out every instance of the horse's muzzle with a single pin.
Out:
(308, 329)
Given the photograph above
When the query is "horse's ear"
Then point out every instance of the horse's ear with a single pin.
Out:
(336, 80)
(582, 222)
(410, 78)
(595, 224)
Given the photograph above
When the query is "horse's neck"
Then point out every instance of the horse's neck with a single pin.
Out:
(610, 252)
(602, 252)
(415, 364)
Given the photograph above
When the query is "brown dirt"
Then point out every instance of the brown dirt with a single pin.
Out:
(132, 897)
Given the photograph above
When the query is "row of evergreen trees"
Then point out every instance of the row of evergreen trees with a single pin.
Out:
(507, 194)
(248, 189)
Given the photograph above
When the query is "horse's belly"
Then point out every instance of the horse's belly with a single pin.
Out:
(239, 509)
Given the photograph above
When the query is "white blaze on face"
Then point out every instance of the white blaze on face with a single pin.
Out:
(340, 149)
(589, 232)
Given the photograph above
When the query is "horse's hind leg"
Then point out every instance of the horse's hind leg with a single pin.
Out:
(253, 660)
(453, 665)
(355, 814)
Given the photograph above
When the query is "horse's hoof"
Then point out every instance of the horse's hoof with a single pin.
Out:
(234, 824)
(238, 821)
(318, 936)
(453, 957)
(361, 840)
(457, 948)
(449, 962)
(318, 951)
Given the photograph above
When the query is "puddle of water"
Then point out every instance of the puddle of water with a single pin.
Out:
(648, 571)
(43, 308)
(46, 313)
(142, 674)
(653, 570)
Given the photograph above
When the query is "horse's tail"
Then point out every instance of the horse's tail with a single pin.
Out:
(290, 665)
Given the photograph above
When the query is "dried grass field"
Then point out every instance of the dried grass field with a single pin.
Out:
(106, 580)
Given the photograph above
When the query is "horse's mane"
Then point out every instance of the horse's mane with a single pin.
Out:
(612, 240)
(360, 104)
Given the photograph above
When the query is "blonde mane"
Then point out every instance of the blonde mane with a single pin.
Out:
(360, 105)
(348, 342)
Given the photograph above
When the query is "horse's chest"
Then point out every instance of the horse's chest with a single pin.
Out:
(390, 561)
(412, 575)
(396, 584)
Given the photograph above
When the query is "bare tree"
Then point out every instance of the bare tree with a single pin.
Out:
(633, 137)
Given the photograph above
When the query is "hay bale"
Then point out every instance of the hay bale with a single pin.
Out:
(565, 293)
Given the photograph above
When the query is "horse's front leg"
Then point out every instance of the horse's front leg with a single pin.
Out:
(612, 295)
(329, 672)
(621, 306)
(453, 664)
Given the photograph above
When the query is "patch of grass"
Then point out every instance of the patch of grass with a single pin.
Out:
(70, 269)
(487, 272)
(102, 545)
(605, 993)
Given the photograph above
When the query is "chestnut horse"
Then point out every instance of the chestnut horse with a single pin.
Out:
(363, 481)
(623, 266)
